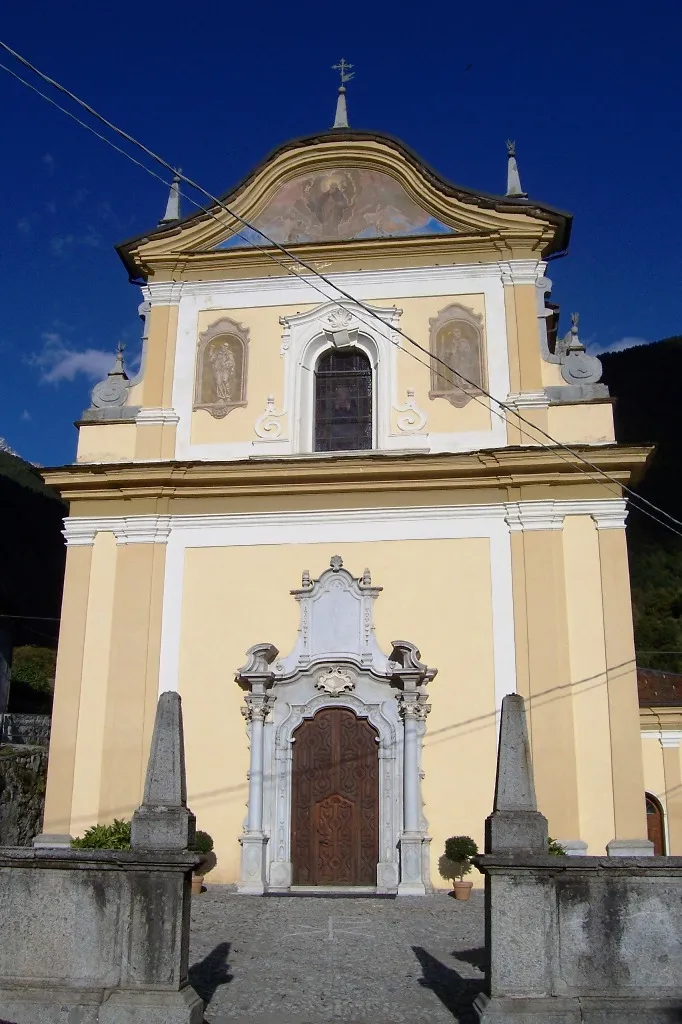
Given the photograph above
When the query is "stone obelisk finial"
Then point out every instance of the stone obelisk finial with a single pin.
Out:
(344, 69)
(516, 825)
(173, 205)
(163, 821)
(514, 189)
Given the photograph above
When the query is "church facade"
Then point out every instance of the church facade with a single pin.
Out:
(333, 543)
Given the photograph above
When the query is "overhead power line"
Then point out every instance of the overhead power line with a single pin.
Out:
(508, 409)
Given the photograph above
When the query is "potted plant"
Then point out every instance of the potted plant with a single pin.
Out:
(455, 863)
(203, 844)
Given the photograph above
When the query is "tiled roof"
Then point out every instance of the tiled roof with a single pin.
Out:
(659, 688)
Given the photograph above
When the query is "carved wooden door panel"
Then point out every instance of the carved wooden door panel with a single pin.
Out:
(654, 825)
(335, 801)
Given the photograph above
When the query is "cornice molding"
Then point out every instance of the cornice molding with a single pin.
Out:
(607, 513)
(167, 293)
(150, 529)
(504, 468)
(522, 516)
(522, 271)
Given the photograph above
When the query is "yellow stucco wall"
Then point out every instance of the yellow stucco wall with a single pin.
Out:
(266, 370)
(221, 619)
(662, 759)
(106, 442)
(265, 373)
(571, 623)
(591, 423)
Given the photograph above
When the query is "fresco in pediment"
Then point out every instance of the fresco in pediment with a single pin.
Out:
(338, 205)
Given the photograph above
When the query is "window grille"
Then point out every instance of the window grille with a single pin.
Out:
(343, 401)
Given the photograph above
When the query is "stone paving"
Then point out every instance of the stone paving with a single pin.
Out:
(310, 959)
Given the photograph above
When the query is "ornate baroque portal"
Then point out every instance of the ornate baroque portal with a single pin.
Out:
(336, 731)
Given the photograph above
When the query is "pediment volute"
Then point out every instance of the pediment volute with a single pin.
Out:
(336, 642)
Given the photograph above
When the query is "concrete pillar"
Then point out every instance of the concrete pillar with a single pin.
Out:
(163, 821)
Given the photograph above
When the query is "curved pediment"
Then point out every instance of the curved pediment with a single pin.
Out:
(344, 188)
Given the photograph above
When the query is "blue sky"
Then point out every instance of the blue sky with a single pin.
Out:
(589, 92)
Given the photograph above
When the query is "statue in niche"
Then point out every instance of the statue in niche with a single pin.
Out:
(456, 342)
(224, 370)
(220, 384)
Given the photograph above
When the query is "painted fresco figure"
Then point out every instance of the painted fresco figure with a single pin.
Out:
(224, 371)
(456, 341)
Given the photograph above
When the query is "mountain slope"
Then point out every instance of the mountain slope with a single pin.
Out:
(646, 383)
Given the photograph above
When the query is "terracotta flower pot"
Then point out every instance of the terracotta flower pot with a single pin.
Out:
(462, 890)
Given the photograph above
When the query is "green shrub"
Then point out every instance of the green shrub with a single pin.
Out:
(34, 667)
(555, 849)
(105, 837)
(456, 861)
(203, 843)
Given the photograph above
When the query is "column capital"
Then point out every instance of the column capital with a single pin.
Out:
(415, 709)
(256, 707)
(610, 515)
(533, 515)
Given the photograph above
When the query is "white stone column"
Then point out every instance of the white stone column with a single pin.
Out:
(411, 883)
(255, 712)
(256, 677)
(254, 841)
(411, 780)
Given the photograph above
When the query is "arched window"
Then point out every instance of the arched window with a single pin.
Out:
(343, 401)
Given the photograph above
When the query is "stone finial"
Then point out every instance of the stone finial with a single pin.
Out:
(173, 205)
(515, 825)
(344, 69)
(163, 821)
(578, 367)
(513, 177)
(112, 392)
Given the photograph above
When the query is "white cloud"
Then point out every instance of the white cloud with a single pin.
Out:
(58, 361)
(618, 346)
(25, 416)
(60, 243)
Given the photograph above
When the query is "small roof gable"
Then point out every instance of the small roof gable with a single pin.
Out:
(344, 185)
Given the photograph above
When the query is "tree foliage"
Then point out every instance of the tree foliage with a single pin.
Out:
(645, 381)
(34, 667)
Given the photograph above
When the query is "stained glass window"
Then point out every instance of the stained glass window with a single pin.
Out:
(343, 401)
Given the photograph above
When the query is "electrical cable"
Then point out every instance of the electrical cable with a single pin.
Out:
(297, 261)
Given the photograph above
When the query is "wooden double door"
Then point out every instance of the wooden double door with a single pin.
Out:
(335, 800)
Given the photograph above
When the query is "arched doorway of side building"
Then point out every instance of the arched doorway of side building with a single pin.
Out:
(654, 824)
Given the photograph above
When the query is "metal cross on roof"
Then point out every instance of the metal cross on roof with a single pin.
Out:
(344, 70)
